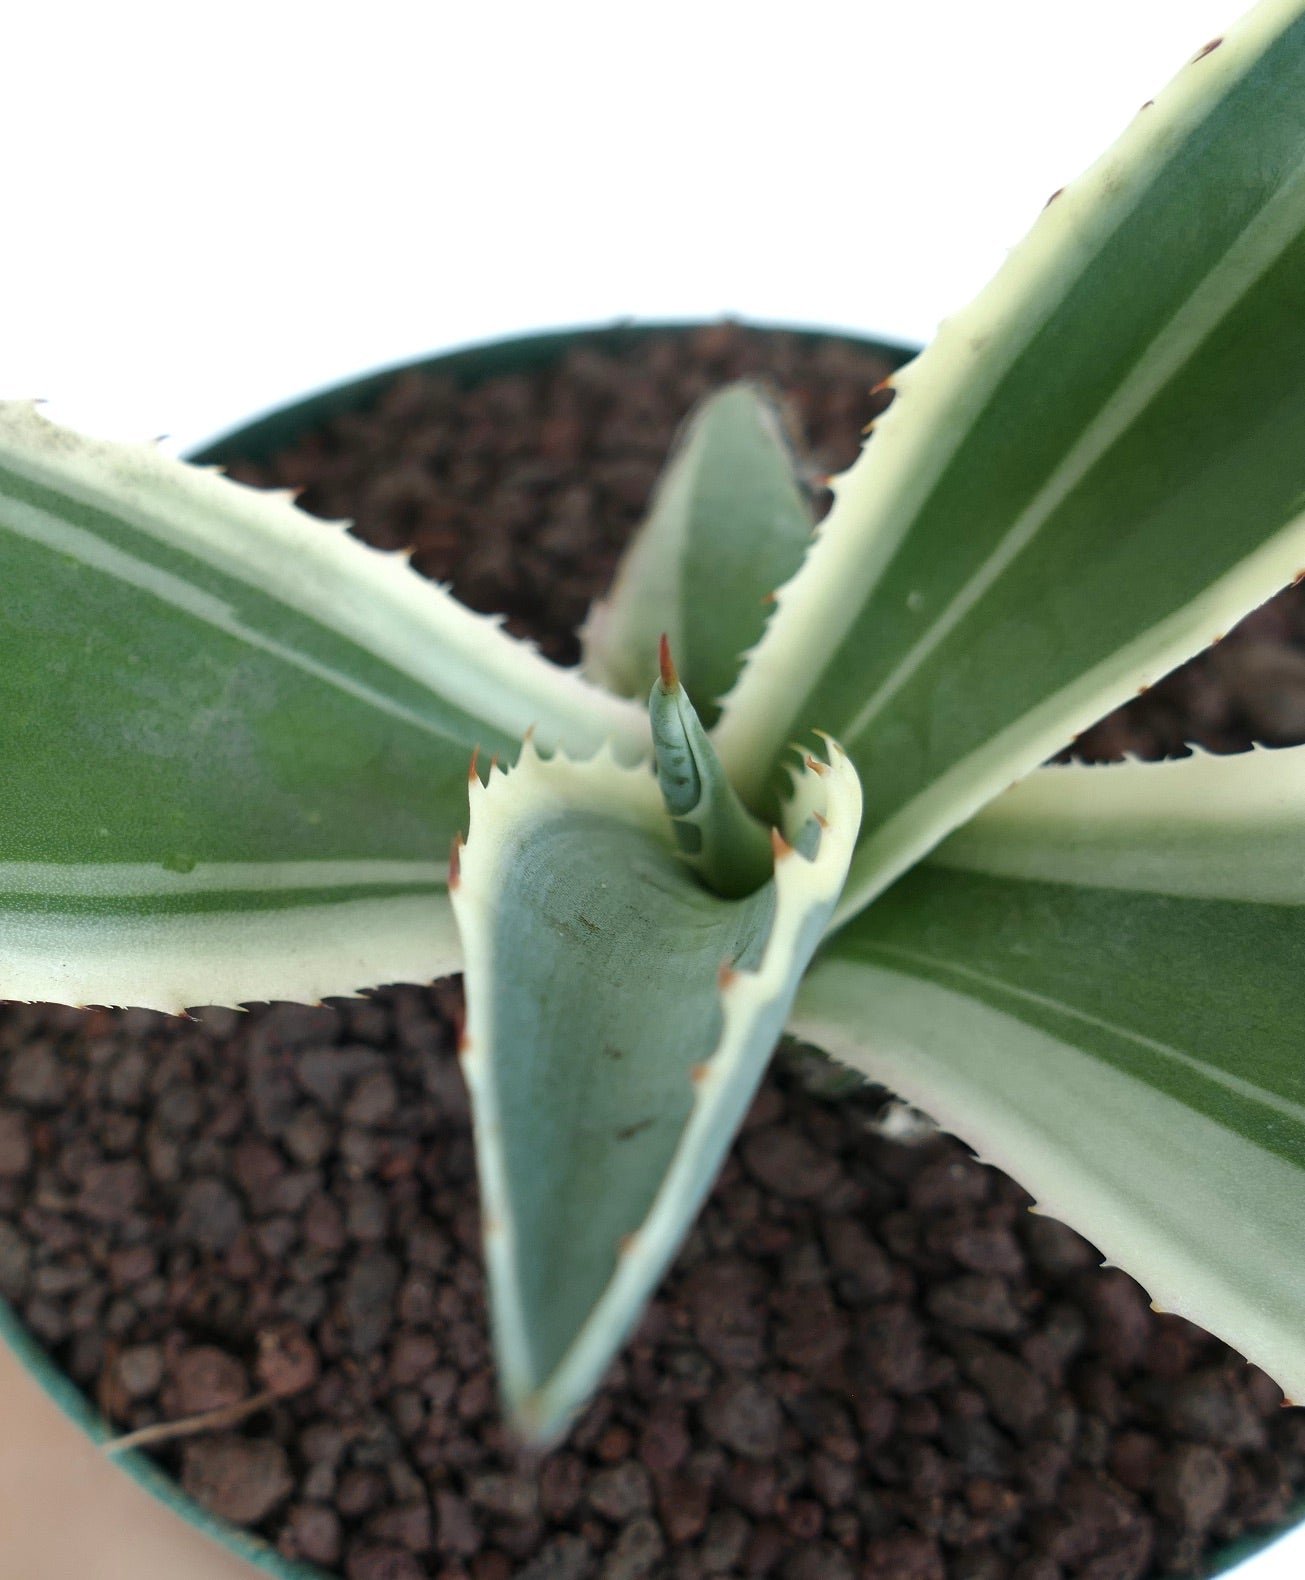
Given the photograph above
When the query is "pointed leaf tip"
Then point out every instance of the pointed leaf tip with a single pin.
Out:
(473, 777)
(670, 678)
(779, 846)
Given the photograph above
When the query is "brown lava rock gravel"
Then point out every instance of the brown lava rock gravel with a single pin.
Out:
(871, 1361)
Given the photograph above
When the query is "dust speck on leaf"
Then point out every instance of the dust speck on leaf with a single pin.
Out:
(628, 1132)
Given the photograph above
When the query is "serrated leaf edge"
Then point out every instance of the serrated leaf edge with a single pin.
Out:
(830, 793)
(373, 597)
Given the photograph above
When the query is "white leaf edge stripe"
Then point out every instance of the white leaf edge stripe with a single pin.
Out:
(1151, 1183)
(130, 880)
(374, 600)
(1207, 827)
(178, 961)
(75, 543)
(802, 888)
(941, 393)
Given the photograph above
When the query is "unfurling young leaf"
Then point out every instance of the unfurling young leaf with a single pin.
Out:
(715, 833)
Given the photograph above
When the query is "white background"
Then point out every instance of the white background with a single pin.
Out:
(210, 207)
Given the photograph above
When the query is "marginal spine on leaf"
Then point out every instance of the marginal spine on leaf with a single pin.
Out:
(715, 834)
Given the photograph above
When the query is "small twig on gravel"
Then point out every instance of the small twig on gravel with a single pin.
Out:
(193, 1425)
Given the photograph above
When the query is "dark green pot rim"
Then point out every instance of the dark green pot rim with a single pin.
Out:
(257, 439)
(271, 431)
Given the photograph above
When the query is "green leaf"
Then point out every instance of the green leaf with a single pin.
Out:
(619, 1018)
(1097, 984)
(1093, 472)
(1229, 828)
(235, 739)
(729, 522)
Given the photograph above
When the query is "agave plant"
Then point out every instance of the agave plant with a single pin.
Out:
(236, 749)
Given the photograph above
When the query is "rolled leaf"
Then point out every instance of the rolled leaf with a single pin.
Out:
(714, 832)
(729, 522)
(235, 739)
(1097, 984)
(1091, 474)
(619, 1018)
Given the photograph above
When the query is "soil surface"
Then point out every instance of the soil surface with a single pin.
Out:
(870, 1362)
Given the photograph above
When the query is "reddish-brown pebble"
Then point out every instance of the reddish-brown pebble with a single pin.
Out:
(204, 1378)
(312, 1532)
(786, 1163)
(239, 1479)
(15, 1144)
(288, 1361)
(371, 1561)
(743, 1415)
(456, 1529)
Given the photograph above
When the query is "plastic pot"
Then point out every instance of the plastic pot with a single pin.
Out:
(66, 1507)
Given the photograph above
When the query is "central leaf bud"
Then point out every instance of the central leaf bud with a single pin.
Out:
(716, 835)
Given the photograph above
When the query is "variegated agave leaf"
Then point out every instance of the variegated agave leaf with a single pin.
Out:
(235, 739)
(1094, 471)
(1097, 982)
